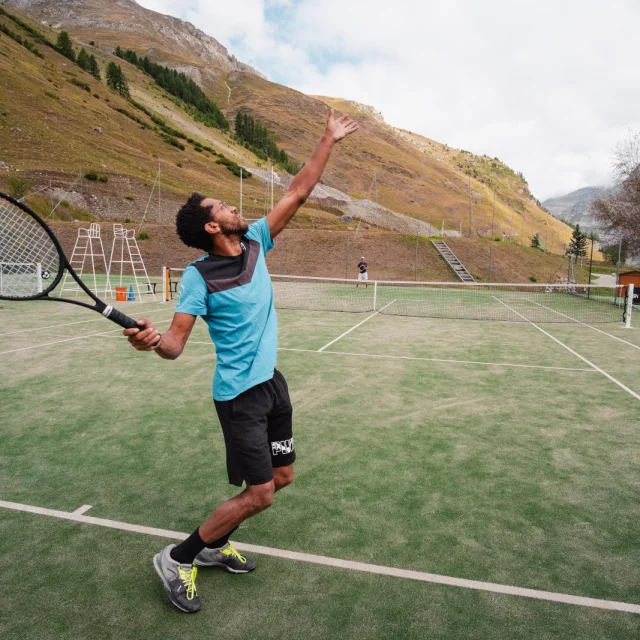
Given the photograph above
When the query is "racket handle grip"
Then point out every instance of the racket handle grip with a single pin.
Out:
(120, 318)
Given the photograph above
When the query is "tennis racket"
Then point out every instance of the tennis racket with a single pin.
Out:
(32, 262)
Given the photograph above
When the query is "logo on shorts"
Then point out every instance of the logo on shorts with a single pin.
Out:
(284, 446)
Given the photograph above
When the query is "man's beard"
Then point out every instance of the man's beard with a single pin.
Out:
(237, 228)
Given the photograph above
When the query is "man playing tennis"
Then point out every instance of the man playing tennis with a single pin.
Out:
(231, 290)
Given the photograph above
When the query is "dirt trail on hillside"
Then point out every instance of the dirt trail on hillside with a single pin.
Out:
(357, 209)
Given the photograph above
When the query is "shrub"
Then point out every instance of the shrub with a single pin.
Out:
(18, 185)
(104, 178)
(127, 220)
(65, 204)
(533, 279)
(79, 83)
(143, 236)
(536, 242)
(91, 175)
(92, 43)
(129, 197)
(172, 141)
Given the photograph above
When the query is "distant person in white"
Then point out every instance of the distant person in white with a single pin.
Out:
(362, 272)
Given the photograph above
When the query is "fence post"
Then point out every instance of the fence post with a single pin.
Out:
(629, 307)
(165, 284)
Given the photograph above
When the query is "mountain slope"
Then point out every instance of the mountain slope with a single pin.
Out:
(413, 175)
(574, 206)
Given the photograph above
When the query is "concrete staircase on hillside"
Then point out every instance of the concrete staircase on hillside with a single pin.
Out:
(450, 258)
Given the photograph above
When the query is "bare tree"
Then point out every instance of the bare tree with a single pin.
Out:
(618, 212)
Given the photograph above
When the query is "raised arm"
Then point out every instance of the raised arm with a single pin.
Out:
(303, 184)
(170, 344)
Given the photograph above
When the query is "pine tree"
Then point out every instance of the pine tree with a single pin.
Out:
(116, 80)
(535, 242)
(64, 46)
(94, 69)
(83, 60)
(118, 51)
(578, 244)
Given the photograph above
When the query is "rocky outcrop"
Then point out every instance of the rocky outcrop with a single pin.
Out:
(129, 16)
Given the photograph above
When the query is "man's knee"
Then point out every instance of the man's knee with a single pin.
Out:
(283, 476)
(261, 496)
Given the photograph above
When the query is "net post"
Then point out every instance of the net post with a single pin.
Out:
(39, 276)
(165, 285)
(629, 306)
(375, 294)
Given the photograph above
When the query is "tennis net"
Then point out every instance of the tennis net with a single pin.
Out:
(539, 303)
(21, 278)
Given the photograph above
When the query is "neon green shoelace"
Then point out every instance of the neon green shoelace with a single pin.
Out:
(189, 581)
(232, 551)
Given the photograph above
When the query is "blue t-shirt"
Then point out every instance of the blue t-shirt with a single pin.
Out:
(240, 315)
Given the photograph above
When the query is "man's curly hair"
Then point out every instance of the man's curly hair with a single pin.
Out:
(190, 223)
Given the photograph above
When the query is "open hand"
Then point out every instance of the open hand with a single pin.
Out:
(339, 128)
(146, 338)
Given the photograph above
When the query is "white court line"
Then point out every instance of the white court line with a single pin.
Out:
(83, 509)
(407, 574)
(68, 324)
(375, 355)
(635, 346)
(490, 364)
(352, 328)
(441, 360)
(575, 353)
(91, 335)
(51, 326)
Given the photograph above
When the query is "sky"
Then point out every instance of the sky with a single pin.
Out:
(547, 86)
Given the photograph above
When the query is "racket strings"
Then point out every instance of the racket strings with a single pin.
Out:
(27, 254)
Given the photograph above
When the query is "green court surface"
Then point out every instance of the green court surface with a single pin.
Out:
(465, 449)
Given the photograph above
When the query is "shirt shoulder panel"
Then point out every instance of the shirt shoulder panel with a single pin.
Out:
(192, 293)
(260, 232)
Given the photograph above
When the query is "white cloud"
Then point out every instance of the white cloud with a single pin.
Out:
(549, 87)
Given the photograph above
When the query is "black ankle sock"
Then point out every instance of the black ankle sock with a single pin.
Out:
(220, 542)
(186, 551)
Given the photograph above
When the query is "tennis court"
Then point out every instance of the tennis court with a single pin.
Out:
(456, 478)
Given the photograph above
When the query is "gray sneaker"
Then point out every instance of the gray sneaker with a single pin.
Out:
(227, 557)
(179, 580)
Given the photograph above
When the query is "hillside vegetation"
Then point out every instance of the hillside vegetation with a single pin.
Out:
(58, 123)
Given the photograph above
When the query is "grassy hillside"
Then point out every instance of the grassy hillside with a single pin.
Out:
(54, 132)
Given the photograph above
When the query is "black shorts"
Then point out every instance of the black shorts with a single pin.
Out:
(258, 431)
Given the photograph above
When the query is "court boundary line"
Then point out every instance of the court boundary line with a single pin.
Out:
(575, 353)
(376, 355)
(408, 574)
(90, 335)
(356, 326)
(68, 324)
(635, 346)
(442, 360)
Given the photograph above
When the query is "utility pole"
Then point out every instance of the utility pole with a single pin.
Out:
(160, 223)
(271, 187)
(491, 237)
(470, 225)
(346, 260)
(592, 236)
(615, 294)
